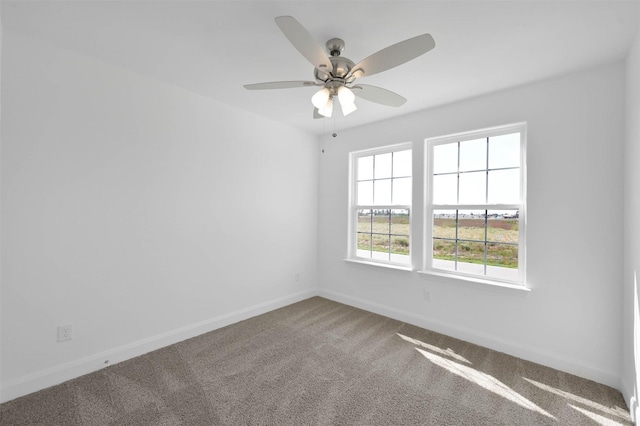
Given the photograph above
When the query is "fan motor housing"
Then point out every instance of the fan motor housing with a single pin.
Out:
(341, 65)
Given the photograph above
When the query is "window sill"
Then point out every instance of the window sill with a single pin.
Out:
(380, 265)
(500, 284)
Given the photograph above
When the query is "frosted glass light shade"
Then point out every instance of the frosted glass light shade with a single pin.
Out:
(346, 98)
(348, 108)
(320, 98)
(345, 95)
(327, 108)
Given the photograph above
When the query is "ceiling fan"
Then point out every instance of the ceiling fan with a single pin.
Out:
(337, 74)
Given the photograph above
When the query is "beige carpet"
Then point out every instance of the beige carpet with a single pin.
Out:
(321, 362)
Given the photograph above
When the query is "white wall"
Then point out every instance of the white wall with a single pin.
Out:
(1, 33)
(631, 299)
(571, 318)
(138, 212)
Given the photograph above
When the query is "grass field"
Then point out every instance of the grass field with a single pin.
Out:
(392, 231)
(498, 232)
(387, 229)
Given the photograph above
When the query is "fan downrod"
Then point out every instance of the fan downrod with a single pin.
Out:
(335, 46)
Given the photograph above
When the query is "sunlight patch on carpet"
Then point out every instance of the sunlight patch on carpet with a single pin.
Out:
(484, 380)
(448, 352)
(617, 411)
(601, 420)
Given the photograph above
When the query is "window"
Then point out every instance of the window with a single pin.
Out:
(380, 208)
(475, 207)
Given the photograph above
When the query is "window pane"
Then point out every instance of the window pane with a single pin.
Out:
(504, 151)
(365, 193)
(400, 222)
(503, 226)
(473, 188)
(380, 246)
(402, 191)
(382, 166)
(504, 186)
(365, 167)
(444, 224)
(473, 155)
(444, 254)
(364, 245)
(364, 220)
(471, 224)
(504, 255)
(402, 163)
(445, 189)
(400, 244)
(382, 192)
(381, 221)
(445, 158)
(502, 261)
(471, 252)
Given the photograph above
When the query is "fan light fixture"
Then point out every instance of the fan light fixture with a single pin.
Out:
(336, 74)
(323, 100)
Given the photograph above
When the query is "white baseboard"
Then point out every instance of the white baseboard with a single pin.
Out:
(529, 353)
(52, 376)
(631, 399)
(70, 370)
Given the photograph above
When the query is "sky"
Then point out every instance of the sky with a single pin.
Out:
(460, 174)
(503, 186)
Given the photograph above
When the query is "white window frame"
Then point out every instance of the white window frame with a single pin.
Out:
(354, 207)
(429, 207)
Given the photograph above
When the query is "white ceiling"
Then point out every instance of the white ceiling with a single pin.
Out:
(214, 47)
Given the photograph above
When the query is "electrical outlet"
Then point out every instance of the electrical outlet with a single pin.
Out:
(65, 332)
(427, 295)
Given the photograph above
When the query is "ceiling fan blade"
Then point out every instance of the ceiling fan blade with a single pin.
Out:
(304, 42)
(378, 95)
(316, 114)
(394, 55)
(280, 85)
